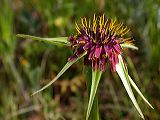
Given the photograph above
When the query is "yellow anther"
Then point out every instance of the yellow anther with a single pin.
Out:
(89, 24)
(112, 24)
(82, 22)
(100, 23)
(103, 20)
(104, 56)
(125, 32)
(119, 26)
(127, 40)
(94, 17)
(85, 20)
(105, 41)
(94, 27)
(77, 28)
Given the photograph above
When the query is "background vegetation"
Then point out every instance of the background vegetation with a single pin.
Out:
(26, 65)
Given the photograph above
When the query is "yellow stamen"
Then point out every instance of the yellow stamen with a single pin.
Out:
(85, 20)
(105, 23)
(123, 29)
(94, 24)
(94, 17)
(106, 40)
(77, 28)
(112, 24)
(103, 20)
(100, 23)
(126, 40)
(89, 24)
(125, 32)
(82, 22)
(108, 25)
(119, 26)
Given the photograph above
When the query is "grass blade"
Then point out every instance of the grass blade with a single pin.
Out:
(96, 75)
(123, 74)
(139, 92)
(54, 41)
(59, 74)
(129, 46)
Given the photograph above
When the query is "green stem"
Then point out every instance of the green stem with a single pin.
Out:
(94, 115)
(95, 109)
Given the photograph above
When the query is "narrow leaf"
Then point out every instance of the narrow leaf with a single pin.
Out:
(123, 74)
(59, 74)
(96, 75)
(55, 41)
(139, 92)
(125, 45)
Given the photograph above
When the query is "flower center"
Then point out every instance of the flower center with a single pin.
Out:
(100, 40)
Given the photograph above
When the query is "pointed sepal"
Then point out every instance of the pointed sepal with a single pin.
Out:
(123, 74)
(138, 91)
(125, 45)
(54, 41)
(69, 64)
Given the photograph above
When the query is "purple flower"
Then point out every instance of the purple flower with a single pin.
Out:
(101, 39)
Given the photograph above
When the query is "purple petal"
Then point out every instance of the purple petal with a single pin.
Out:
(71, 38)
(103, 64)
(91, 52)
(87, 46)
(106, 48)
(83, 31)
(116, 59)
(98, 52)
(98, 34)
(95, 64)
(103, 51)
(117, 48)
(92, 34)
(108, 51)
(113, 60)
(80, 50)
(113, 64)
(85, 37)
(113, 68)
(74, 43)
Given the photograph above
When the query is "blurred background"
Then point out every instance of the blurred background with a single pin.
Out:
(27, 65)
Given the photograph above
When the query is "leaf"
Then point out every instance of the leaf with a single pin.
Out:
(54, 41)
(96, 75)
(125, 45)
(123, 74)
(59, 74)
(139, 92)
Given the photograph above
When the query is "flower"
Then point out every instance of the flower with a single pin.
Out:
(101, 39)
(97, 41)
